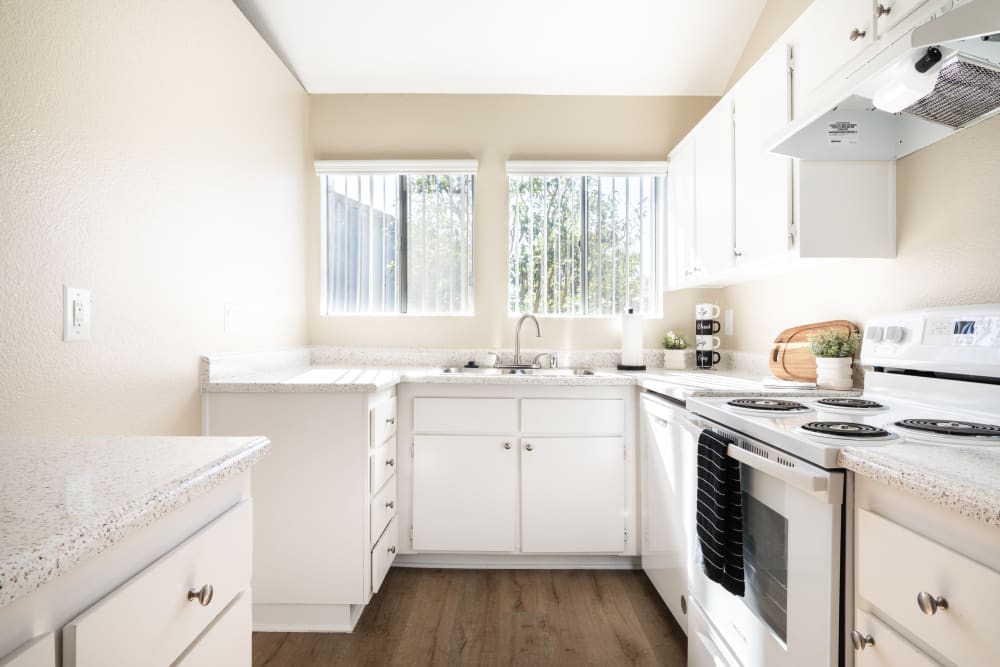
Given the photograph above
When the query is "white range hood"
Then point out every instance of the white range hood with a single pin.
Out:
(931, 82)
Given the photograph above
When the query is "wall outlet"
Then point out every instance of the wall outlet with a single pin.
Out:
(728, 325)
(76, 314)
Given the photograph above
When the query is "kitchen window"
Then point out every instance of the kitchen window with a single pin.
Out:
(397, 236)
(582, 237)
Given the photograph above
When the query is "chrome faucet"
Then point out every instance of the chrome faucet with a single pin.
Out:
(517, 338)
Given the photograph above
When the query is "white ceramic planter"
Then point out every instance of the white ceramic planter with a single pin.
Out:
(834, 372)
(673, 360)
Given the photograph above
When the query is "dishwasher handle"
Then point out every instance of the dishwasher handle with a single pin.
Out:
(797, 475)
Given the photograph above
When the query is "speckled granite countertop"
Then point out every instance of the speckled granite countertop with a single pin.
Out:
(65, 499)
(962, 479)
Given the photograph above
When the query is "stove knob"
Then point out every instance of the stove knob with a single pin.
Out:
(894, 334)
(874, 334)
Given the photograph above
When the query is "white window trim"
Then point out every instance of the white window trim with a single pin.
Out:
(587, 167)
(375, 167)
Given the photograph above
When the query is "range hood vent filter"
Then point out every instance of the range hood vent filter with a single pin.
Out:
(964, 92)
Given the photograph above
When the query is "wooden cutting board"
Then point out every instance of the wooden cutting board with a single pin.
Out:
(790, 358)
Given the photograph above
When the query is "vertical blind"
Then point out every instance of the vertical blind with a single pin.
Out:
(398, 243)
(582, 244)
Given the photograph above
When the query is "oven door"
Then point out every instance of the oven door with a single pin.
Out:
(789, 615)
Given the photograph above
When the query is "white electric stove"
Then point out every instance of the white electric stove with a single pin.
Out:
(932, 377)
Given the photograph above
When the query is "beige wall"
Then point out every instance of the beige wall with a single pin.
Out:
(491, 129)
(152, 152)
(948, 235)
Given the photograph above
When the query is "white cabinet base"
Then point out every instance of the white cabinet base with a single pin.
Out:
(516, 561)
(306, 617)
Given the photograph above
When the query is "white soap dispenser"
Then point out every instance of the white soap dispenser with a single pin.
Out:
(632, 356)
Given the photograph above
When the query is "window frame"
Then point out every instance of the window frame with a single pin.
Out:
(598, 168)
(401, 169)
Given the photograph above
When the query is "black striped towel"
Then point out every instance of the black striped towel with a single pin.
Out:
(720, 513)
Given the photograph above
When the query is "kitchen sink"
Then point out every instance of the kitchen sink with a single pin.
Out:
(542, 372)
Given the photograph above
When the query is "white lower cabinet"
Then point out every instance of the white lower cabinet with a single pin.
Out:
(156, 615)
(383, 554)
(559, 482)
(572, 495)
(927, 581)
(227, 641)
(464, 493)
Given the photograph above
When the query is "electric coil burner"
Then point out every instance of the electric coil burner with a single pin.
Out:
(846, 430)
(850, 403)
(768, 405)
(949, 427)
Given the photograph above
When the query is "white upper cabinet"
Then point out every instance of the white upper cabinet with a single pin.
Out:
(889, 13)
(680, 214)
(827, 35)
(713, 168)
(762, 180)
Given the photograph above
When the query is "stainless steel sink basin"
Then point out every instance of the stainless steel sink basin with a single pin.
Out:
(542, 372)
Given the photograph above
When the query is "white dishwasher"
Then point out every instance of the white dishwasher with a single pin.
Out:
(669, 488)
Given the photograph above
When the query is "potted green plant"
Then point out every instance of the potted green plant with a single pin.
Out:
(834, 351)
(674, 345)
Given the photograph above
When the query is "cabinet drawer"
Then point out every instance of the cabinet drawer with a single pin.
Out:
(566, 416)
(227, 641)
(898, 10)
(383, 509)
(383, 553)
(888, 648)
(895, 564)
(382, 464)
(383, 421)
(149, 619)
(38, 652)
(465, 415)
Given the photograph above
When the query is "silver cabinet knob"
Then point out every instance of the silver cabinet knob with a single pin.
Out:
(930, 604)
(737, 253)
(506, 445)
(857, 34)
(390, 420)
(203, 595)
(860, 641)
(529, 446)
(684, 604)
(882, 10)
(390, 462)
(391, 504)
(391, 549)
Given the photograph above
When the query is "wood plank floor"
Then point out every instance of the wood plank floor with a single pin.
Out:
(495, 617)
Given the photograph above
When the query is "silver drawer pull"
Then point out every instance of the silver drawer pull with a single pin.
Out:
(203, 595)
(860, 641)
(390, 420)
(390, 462)
(391, 549)
(391, 504)
(529, 446)
(506, 445)
(857, 34)
(930, 604)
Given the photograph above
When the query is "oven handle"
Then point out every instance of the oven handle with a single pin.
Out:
(799, 478)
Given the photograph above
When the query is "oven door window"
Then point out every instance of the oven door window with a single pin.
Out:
(765, 563)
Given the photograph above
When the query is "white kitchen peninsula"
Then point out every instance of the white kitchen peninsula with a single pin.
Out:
(125, 550)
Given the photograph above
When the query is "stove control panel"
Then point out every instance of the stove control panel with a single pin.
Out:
(962, 339)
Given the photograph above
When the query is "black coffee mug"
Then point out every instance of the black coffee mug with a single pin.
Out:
(707, 327)
(706, 358)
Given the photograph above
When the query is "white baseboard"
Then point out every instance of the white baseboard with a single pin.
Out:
(306, 617)
(516, 562)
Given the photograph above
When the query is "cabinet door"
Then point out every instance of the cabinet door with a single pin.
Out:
(887, 648)
(464, 493)
(824, 40)
(762, 180)
(713, 168)
(680, 214)
(39, 652)
(573, 495)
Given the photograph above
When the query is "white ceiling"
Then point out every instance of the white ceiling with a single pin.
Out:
(542, 47)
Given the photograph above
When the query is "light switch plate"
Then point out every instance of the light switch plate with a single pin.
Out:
(76, 314)
(728, 326)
